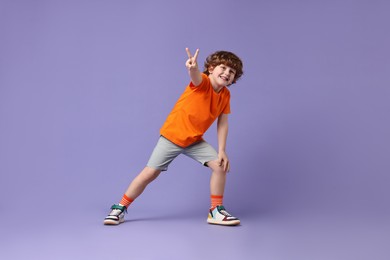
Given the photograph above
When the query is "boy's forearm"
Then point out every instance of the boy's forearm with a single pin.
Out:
(222, 132)
(195, 76)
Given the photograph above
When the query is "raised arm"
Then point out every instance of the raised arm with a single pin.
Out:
(192, 66)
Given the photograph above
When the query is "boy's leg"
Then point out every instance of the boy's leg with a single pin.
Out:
(163, 154)
(218, 214)
(138, 185)
(217, 179)
(206, 154)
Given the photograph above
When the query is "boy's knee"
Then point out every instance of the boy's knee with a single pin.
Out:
(215, 167)
(150, 173)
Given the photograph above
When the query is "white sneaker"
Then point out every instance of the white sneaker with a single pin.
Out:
(116, 215)
(220, 216)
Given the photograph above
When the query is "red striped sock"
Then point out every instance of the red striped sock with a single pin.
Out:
(216, 200)
(126, 201)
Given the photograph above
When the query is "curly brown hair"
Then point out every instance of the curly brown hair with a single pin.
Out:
(226, 58)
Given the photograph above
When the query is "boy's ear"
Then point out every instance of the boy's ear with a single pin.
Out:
(210, 69)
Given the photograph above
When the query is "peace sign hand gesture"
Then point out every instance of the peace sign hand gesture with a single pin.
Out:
(192, 66)
(192, 63)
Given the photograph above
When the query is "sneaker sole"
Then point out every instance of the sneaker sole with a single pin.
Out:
(224, 223)
(113, 222)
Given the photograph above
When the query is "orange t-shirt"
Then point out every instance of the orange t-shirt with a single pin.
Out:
(195, 112)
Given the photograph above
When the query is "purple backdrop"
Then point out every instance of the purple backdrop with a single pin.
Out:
(86, 85)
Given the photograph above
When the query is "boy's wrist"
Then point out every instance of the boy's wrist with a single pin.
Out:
(193, 68)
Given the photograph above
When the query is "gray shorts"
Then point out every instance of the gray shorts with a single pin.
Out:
(166, 151)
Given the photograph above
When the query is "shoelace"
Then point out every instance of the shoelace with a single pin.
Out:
(225, 213)
(115, 212)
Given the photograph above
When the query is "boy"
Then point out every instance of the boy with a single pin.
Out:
(205, 99)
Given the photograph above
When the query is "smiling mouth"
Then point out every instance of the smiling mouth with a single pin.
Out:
(224, 78)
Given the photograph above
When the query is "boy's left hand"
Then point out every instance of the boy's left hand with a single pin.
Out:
(223, 161)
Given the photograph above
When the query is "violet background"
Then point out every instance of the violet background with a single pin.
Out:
(86, 85)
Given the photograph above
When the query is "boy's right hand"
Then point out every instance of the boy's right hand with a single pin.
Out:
(192, 63)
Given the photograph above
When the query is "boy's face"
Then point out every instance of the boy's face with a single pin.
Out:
(222, 75)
